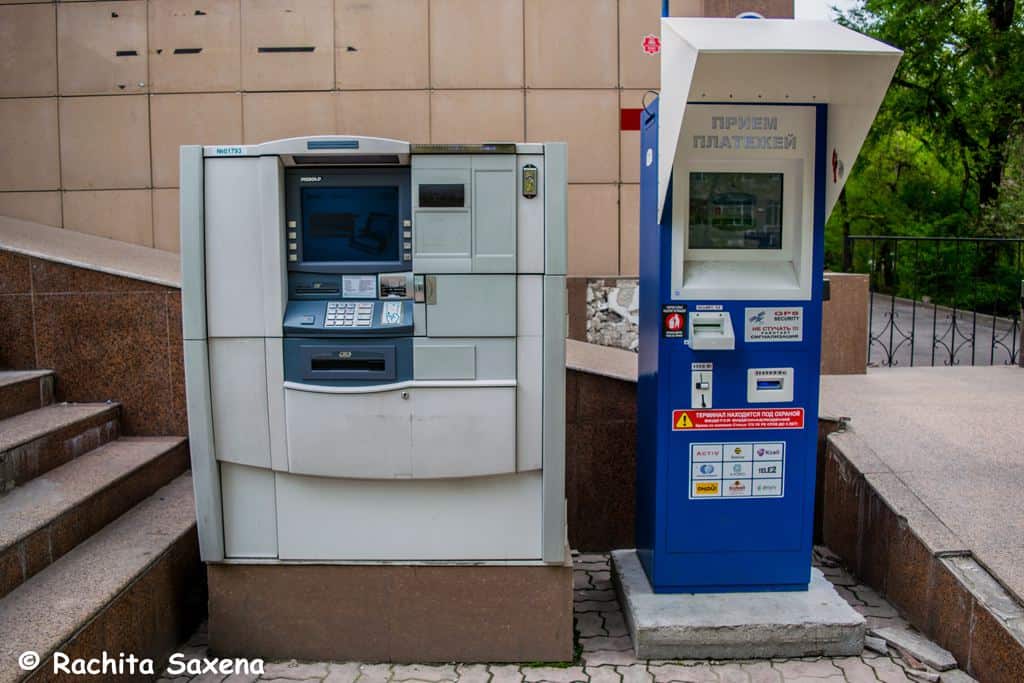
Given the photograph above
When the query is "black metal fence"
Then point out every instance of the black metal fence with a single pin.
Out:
(941, 300)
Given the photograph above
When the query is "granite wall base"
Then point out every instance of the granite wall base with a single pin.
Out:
(391, 613)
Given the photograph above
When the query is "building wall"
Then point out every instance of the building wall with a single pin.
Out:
(96, 97)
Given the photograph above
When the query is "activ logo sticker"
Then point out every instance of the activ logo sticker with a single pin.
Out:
(228, 151)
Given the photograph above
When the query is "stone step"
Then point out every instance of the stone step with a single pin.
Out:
(24, 390)
(38, 441)
(50, 515)
(136, 587)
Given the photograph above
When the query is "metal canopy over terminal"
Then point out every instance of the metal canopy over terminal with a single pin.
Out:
(776, 61)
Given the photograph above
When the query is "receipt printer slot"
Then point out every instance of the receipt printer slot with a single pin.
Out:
(711, 331)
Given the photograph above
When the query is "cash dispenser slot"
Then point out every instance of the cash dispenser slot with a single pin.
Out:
(348, 362)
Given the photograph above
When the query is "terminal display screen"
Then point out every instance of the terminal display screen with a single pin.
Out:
(350, 224)
(735, 210)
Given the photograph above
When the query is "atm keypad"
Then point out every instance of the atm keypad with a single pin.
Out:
(343, 314)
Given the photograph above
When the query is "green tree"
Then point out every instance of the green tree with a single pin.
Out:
(958, 92)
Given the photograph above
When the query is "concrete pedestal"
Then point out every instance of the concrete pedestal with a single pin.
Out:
(392, 613)
(817, 622)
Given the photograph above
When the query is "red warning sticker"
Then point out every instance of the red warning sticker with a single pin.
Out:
(738, 418)
(651, 44)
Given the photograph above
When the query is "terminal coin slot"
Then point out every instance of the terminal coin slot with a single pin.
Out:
(711, 331)
(700, 389)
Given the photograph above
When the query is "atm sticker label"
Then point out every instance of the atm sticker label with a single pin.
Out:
(774, 324)
(734, 478)
(738, 418)
(391, 313)
(767, 488)
(673, 321)
(706, 489)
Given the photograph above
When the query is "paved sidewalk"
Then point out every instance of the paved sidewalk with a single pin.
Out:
(607, 655)
(954, 438)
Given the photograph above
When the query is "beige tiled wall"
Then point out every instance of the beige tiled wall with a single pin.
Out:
(96, 96)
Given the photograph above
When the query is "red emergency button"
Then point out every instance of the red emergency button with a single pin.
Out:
(673, 322)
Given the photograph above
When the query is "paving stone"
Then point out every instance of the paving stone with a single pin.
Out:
(210, 678)
(613, 657)
(884, 611)
(698, 673)
(590, 625)
(591, 594)
(882, 622)
(602, 674)
(294, 670)
(888, 671)
(762, 672)
(601, 577)
(842, 579)
(955, 676)
(869, 596)
(848, 595)
(288, 680)
(592, 557)
(374, 673)
(344, 672)
(805, 668)
(876, 645)
(505, 673)
(730, 673)
(620, 643)
(615, 624)
(473, 673)
(551, 674)
(918, 646)
(635, 673)
(423, 672)
(596, 606)
(580, 579)
(925, 676)
(856, 670)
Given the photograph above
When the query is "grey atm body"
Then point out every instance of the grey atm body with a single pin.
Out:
(409, 408)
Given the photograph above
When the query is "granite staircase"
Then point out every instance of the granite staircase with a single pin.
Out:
(98, 548)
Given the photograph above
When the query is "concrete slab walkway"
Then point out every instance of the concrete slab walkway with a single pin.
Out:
(955, 438)
(607, 655)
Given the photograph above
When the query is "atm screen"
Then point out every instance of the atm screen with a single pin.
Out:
(731, 210)
(350, 224)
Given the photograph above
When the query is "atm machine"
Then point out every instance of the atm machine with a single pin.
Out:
(375, 365)
(744, 153)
